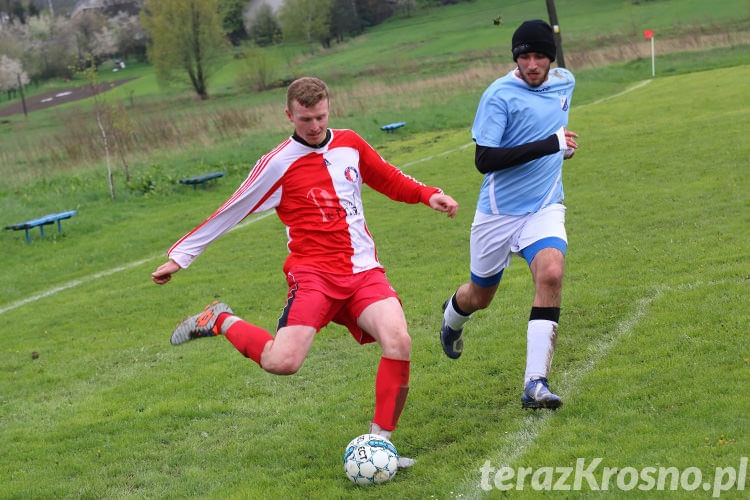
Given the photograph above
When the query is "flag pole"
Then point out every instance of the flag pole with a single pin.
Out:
(650, 35)
(653, 64)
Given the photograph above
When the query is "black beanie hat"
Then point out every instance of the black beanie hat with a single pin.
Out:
(534, 36)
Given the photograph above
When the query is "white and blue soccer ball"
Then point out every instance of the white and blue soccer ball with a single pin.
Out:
(370, 459)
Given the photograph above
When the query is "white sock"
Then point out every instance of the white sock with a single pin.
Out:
(229, 322)
(453, 318)
(376, 429)
(541, 338)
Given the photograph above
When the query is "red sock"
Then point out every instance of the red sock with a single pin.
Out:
(391, 388)
(248, 339)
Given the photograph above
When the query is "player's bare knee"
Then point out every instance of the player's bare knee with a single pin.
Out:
(475, 297)
(551, 276)
(404, 343)
(282, 369)
(283, 366)
(396, 346)
(480, 301)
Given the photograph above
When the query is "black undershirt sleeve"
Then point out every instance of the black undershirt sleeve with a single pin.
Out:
(489, 159)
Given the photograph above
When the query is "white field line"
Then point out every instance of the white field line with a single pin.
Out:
(517, 443)
(432, 157)
(108, 272)
(626, 91)
(469, 144)
(102, 274)
(71, 284)
(514, 445)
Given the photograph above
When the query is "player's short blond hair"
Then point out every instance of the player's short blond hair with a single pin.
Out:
(308, 91)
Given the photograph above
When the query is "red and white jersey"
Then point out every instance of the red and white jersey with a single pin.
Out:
(317, 194)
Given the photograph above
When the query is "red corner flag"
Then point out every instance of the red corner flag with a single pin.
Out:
(648, 33)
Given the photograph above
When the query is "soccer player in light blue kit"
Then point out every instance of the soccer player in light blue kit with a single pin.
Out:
(521, 142)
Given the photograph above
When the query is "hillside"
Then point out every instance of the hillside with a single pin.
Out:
(427, 69)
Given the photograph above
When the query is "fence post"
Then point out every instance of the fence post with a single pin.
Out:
(23, 99)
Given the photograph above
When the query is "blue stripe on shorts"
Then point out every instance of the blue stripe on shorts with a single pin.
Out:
(530, 251)
(489, 281)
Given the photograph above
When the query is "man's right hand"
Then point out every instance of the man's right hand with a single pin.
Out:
(164, 272)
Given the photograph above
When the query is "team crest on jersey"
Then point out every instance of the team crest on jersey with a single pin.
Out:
(351, 174)
(564, 103)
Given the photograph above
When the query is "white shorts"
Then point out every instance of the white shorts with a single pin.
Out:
(495, 237)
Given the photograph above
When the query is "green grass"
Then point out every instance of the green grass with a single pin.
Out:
(455, 36)
(430, 105)
(653, 342)
(652, 357)
(437, 61)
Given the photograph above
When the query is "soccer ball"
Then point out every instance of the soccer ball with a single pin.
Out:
(370, 459)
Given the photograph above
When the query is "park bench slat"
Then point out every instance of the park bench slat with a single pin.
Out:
(41, 222)
(392, 126)
(202, 179)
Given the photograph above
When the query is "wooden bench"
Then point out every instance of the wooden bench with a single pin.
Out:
(392, 126)
(41, 222)
(202, 179)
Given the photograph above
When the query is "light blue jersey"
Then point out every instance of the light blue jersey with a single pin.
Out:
(512, 113)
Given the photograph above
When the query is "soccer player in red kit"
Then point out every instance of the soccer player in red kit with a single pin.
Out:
(314, 181)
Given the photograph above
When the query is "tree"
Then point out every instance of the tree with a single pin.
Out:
(257, 72)
(406, 6)
(114, 124)
(18, 11)
(264, 29)
(86, 26)
(345, 19)
(32, 10)
(306, 20)
(186, 37)
(105, 43)
(233, 19)
(373, 12)
(10, 71)
(45, 46)
(131, 38)
(59, 52)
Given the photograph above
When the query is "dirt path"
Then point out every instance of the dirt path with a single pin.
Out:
(57, 97)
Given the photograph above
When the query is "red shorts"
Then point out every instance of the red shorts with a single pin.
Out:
(316, 298)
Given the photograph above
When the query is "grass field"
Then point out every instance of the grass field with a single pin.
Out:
(652, 359)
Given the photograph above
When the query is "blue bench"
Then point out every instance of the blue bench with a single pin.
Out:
(392, 126)
(202, 179)
(41, 222)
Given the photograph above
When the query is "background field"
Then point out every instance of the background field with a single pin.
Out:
(437, 63)
(652, 360)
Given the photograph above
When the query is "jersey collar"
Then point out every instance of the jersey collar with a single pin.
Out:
(317, 146)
